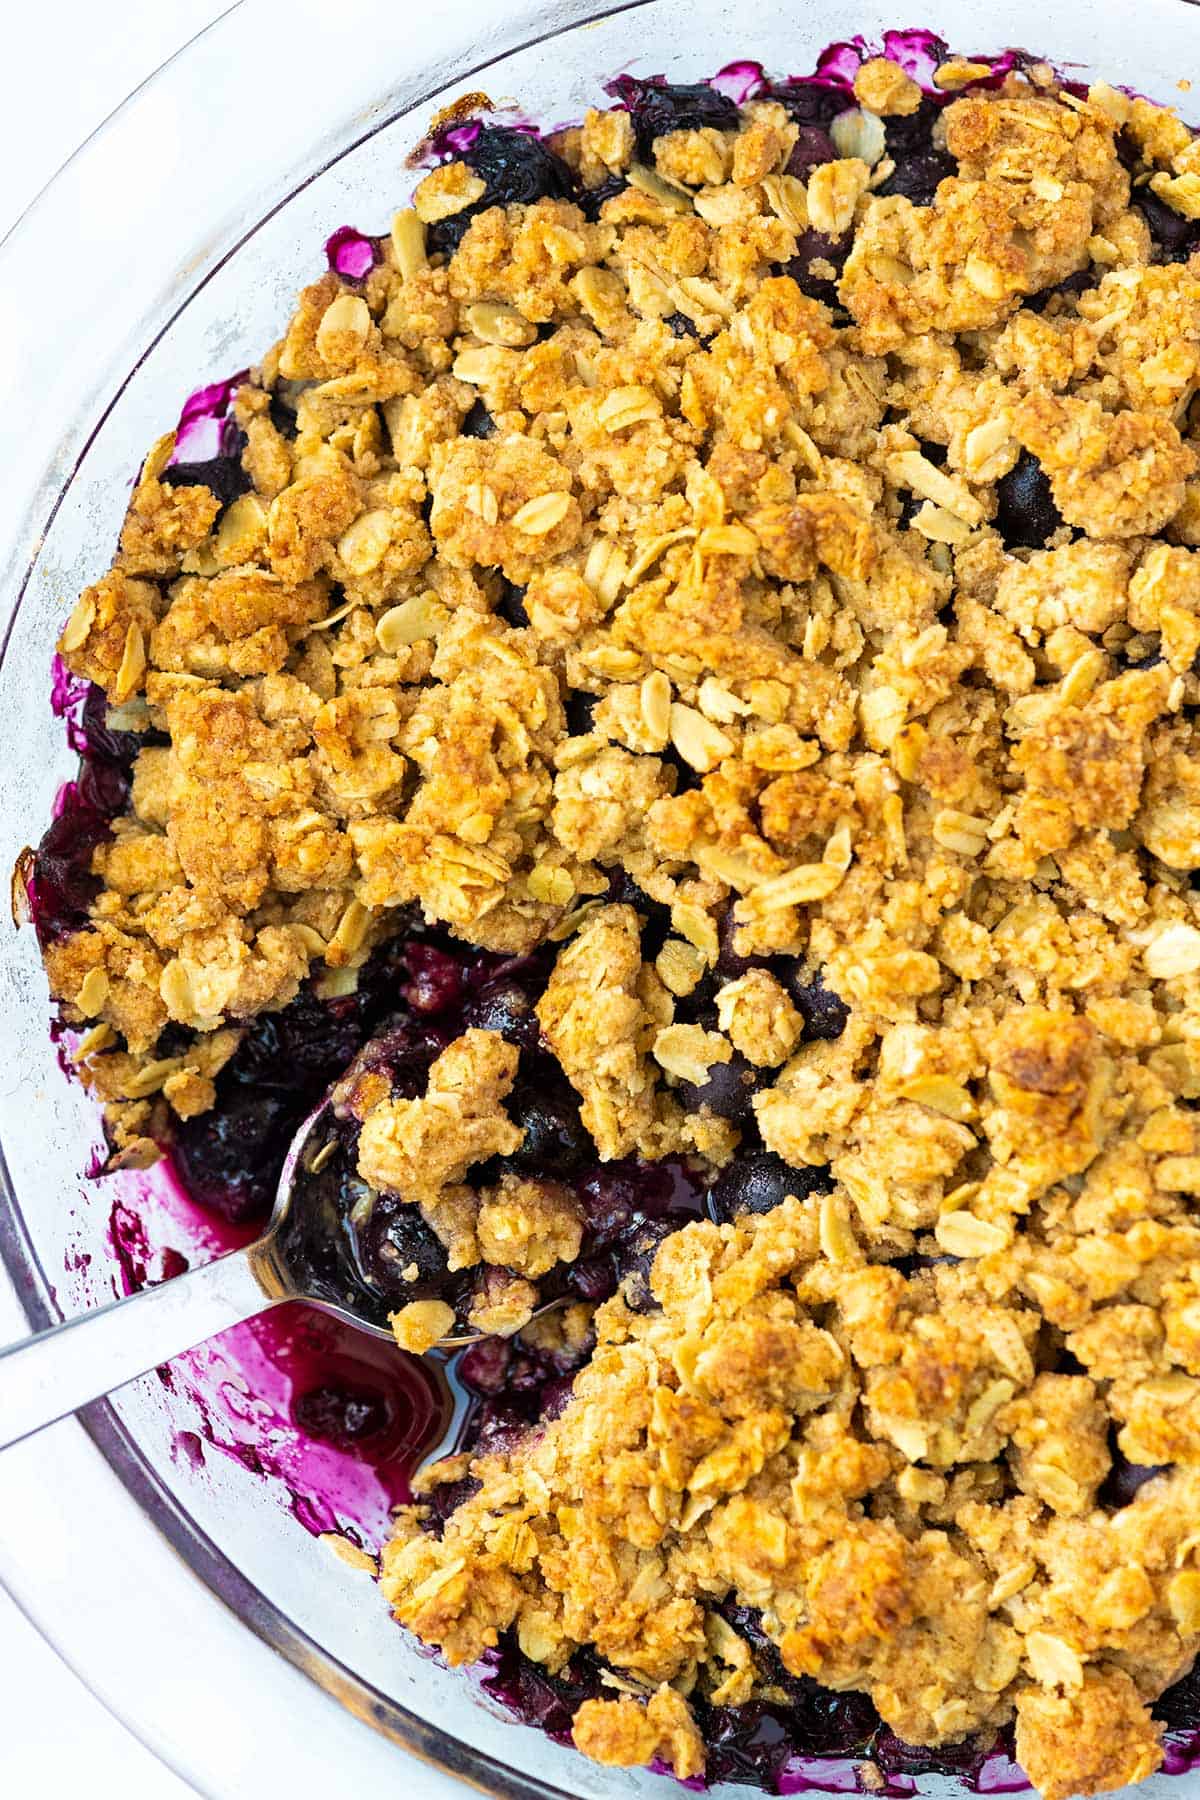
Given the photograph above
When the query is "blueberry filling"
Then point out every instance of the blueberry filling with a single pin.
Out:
(60, 882)
(517, 168)
(1025, 513)
(339, 1415)
(762, 1743)
(1174, 238)
(223, 474)
(657, 106)
(818, 263)
(812, 147)
(824, 1012)
(478, 423)
(590, 200)
(761, 1182)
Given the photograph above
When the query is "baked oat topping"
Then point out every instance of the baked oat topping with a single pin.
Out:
(751, 566)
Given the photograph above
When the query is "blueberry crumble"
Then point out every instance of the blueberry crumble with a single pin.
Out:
(668, 700)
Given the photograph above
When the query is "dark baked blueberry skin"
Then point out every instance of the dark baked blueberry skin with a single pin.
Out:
(590, 200)
(918, 176)
(919, 165)
(681, 325)
(811, 102)
(222, 475)
(517, 168)
(728, 1091)
(824, 1012)
(556, 1142)
(761, 1182)
(812, 147)
(478, 422)
(511, 606)
(1025, 512)
(729, 963)
(813, 247)
(656, 107)
(398, 1253)
(1174, 237)
(506, 1007)
(339, 1415)
(1124, 1479)
(635, 1259)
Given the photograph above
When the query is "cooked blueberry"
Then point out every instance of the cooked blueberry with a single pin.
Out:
(761, 1182)
(580, 708)
(499, 1428)
(1026, 514)
(814, 248)
(918, 176)
(1079, 283)
(62, 885)
(623, 890)
(1124, 1479)
(681, 325)
(484, 1366)
(811, 102)
(635, 1260)
(907, 134)
(727, 1092)
(555, 1397)
(659, 106)
(398, 1252)
(104, 745)
(749, 1744)
(282, 416)
(511, 605)
(812, 147)
(747, 1622)
(556, 1141)
(516, 167)
(230, 1158)
(1179, 1709)
(223, 475)
(301, 1049)
(895, 1757)
(478, 422)
(435, 979)
(590, 200)
(341, 1416)
(729, 963)
(824, 1012)
(504, 1006)
(447, 1496)
(592, 1278)
(547, 1702)
(1173, 236)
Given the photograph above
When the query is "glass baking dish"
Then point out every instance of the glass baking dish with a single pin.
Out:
(187, 1589)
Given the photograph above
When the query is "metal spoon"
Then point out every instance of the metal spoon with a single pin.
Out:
(45, 1377)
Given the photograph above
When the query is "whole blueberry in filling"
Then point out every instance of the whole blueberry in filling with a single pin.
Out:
(516, 167)
(761, 1182)
(658, 106)
(1026, 514)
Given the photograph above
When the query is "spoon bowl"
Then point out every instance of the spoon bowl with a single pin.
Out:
(55, 1372)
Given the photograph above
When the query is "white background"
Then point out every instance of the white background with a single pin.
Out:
(70, 63)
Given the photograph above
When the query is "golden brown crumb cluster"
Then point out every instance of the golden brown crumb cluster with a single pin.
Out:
(957, 778)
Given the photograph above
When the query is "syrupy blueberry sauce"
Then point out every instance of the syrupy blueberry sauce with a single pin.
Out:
(342, 1420)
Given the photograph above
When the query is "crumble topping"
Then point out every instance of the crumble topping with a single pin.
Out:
(816, 565)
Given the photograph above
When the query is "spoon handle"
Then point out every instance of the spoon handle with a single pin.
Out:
(44, 1377)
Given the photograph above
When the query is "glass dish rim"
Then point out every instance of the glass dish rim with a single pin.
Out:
(34, 1292)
